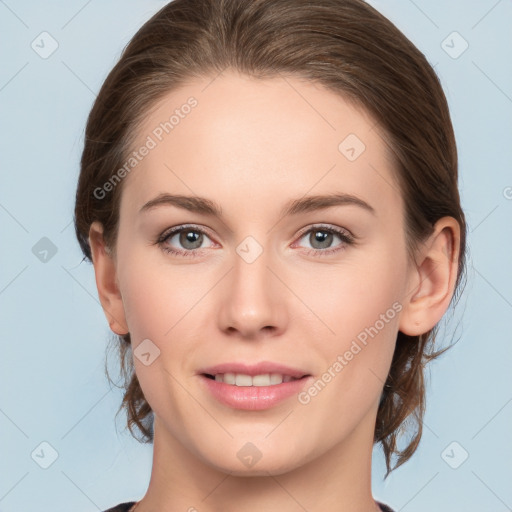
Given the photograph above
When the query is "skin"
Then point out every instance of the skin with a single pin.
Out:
(251, 146)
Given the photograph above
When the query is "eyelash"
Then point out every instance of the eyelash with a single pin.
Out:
(346, 238)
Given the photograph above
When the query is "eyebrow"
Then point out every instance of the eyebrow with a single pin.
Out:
(294, 207)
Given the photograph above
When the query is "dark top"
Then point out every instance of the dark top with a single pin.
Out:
(124, 507)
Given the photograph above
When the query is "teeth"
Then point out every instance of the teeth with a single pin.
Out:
(243, 380)
(240, 379)
(229, 378)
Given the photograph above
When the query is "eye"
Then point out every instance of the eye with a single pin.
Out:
(321, 238)
(189, 238)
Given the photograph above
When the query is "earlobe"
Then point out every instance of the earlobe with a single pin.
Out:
(106, 280)
(433, 279)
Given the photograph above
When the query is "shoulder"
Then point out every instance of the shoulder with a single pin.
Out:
(125, 507)
(384, 507)
(122, 507)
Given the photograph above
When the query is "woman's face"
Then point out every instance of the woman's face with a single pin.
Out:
(268, 281)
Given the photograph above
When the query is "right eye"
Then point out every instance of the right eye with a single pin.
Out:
(190, 238)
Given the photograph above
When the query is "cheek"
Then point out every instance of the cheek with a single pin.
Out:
(156, 295)
(156, 307)
(143, 299)
(360, 302)
(357, 357)
(348, 297)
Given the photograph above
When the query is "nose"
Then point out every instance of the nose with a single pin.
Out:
(253, 304)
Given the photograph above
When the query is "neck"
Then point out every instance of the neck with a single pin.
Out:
(338, 480)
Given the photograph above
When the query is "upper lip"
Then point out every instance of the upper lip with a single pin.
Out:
(254, 369)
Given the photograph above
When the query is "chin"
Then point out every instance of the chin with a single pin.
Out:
(249, 461)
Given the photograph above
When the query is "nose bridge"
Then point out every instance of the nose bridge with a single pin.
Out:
(251, 301)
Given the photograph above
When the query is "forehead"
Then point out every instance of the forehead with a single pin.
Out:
(253, 143)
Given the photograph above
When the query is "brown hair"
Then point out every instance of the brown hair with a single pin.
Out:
(346, 46)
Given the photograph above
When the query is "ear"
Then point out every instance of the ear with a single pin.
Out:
(106, 280)
(432, 280)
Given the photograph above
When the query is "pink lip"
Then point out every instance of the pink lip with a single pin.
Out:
(253, 398)
(255, 369)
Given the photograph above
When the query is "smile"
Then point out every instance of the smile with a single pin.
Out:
(242, 379)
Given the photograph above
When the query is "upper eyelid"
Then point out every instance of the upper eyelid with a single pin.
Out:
(183, 227)
(327, 227)
(319, 226)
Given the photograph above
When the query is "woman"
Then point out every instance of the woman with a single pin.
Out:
(268, 194)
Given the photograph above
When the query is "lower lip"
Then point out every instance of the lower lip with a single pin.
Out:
(254, 398)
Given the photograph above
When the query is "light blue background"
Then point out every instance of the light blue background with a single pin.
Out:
(54, 333)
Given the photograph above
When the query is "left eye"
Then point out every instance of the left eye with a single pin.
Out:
(320, 239)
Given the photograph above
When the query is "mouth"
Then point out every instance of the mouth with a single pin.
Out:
(245, 380)
(253, 387)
